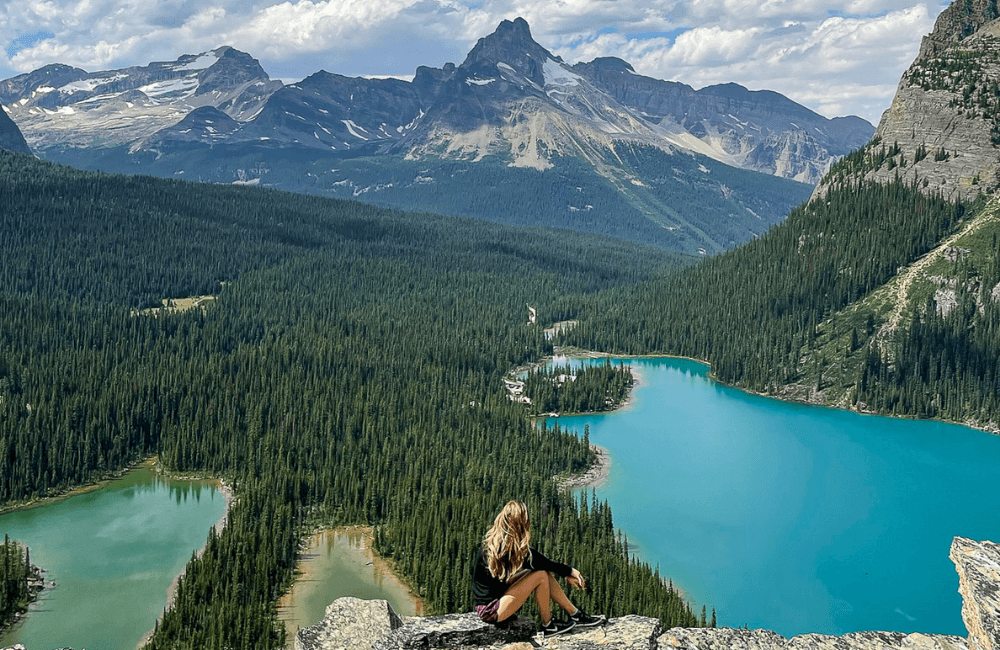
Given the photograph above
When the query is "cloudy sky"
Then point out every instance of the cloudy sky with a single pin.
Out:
(837, 57)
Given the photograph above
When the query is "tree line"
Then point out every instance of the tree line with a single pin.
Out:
(793, 308)
(350, 372)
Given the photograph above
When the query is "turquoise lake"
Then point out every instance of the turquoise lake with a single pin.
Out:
(113, 554)
(791, 517)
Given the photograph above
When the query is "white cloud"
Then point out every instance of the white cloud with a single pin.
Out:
(712, 45)
(844, 56)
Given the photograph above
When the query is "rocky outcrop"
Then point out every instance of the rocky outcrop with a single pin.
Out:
(361, 623)
(454, 631)
(730, 639)
(352, 624)
(978, 566)
(956, 23)
(942, 130)
(349, 623)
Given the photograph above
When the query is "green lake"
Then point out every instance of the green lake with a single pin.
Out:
(338, 563)
(791, 517)
(113, 554)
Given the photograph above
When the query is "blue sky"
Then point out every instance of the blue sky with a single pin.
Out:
(837, 57)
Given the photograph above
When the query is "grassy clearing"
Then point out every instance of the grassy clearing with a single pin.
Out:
(178, 305)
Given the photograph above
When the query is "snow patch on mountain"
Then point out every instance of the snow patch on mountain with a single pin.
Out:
(354, 128)
(557, 75)
(88, 85)
(202, 62)
(183, 88)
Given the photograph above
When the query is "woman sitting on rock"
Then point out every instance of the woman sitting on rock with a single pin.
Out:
(508, 570)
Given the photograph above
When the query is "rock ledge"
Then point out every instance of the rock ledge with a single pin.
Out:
(353, 624)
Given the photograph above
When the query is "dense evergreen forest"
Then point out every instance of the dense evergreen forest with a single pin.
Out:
(563, 389)
(15, 573)
(793, 313)
(350, 371)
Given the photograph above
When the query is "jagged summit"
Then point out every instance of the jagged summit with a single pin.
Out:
(957, 22)
(512, 45)
(510, 97)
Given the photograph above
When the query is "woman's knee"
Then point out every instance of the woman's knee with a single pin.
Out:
(540, 577)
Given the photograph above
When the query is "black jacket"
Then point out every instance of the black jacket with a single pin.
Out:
(486, 588)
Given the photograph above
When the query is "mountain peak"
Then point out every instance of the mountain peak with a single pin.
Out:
(512, 45)
(608, 64)
(957, 22)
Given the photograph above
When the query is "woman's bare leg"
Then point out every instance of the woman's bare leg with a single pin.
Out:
(558, 595)
(517, 593)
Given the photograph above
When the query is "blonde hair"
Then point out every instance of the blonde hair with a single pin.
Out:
(506, 542)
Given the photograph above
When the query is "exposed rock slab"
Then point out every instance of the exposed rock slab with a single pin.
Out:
(349, 623)
(454, 631)
(735, 639)
(624, 633)
(978, 566)
(683, 638)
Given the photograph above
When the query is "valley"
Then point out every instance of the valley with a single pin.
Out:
(369, 247)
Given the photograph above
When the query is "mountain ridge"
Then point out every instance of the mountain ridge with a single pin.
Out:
(511, 105)
(233, 82)
(709, 121)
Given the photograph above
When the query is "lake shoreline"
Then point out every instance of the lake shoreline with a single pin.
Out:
(227, 494)
(600, 468)
(580, 353)
(594, 476)
(84, 488)
(311, 547)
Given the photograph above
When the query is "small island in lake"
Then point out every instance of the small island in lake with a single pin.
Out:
(565, 389)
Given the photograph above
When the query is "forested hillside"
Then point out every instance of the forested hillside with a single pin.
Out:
(875, 297)
(350, 371)
(680, 202)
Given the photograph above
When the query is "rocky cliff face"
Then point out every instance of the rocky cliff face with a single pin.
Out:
(352, 624)
(942, 130)
(978, 565)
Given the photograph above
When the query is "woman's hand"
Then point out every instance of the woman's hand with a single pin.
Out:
(576, 579)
